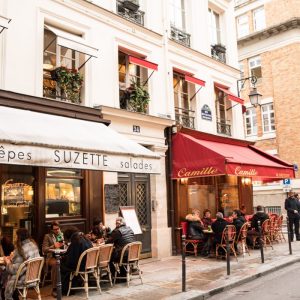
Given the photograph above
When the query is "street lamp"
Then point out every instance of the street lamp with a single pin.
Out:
(254, 96)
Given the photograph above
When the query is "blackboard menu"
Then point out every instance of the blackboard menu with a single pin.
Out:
(112, 198)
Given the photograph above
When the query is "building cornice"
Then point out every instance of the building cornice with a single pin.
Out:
(290, 24)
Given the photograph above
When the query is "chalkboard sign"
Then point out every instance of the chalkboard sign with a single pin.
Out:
(129, 214)
(112, 198)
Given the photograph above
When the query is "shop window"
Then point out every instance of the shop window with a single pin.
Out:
(184, 114)
(251, 121)
(255, 68)
(223, 113)
(63, 193)
(259, 21)
(242, 24)
(268, 118)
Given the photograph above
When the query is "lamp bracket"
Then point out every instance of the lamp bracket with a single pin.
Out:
(253, 80)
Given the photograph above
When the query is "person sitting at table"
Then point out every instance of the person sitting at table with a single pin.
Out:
(52, 240)
(206, 220)
(218, 226)
(78, 243)
(195, 225)
(26, 248)
(6, 246)
(99, 231)
(243, 210)
(238, 221)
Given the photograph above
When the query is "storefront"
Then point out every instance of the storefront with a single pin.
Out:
(216, 173)
(51, 168)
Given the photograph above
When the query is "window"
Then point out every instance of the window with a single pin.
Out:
(255, 68)
(222, 104)
(214, 25)
(56, 56)
(259, 21)
(63, 193)
(242, 26)
(268, 118)
(177, 14)
(251, 121)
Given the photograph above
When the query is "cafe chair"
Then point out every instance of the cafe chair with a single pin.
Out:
(229, 230)
(279, 232)
(104, 256)
(32, 268)
(242, 237)
(189, 242)
(91, 267)
(129, 260)
(266, 231)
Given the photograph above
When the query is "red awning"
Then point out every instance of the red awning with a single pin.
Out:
(194, 80)
(230, 96)
(143, 63)
(197, 157)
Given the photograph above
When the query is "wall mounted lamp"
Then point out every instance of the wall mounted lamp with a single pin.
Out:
(254, 95)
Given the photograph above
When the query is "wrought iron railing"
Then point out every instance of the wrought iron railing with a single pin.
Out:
(180, 36)
(126, 104)
(185, 117)
(223, 128)
(131, 15)
(218, 52)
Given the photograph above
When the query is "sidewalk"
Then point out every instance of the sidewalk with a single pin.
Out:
(205, 276)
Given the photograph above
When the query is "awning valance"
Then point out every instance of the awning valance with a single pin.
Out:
(194, 156)
(143, 63)
(4, 23)
(194, 80)
(230, 96)
(37, 139)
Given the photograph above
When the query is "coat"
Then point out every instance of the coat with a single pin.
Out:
(238, 223)
(291, 204)
(218, 226)
(195, 227)
(259, 216)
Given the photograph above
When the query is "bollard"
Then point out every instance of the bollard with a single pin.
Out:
(58, 284)
(227, 251)
(289, 234)
(183, 263)
(261, 246)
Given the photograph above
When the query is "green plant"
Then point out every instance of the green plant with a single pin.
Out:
(69, 81)
(139, 97)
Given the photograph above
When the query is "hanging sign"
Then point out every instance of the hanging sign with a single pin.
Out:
(206, 113)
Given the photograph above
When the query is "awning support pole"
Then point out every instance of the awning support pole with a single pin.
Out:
(50, 44)
(84, 62)
(196, 93)
(148, 79)
(232, 106)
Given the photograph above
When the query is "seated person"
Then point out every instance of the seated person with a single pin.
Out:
(99, 231)
(207, 221)
(52, 240)
(218, 226)
(26, 248)
(237, 220)
(6, 246)
(243, 210)
(195, 225)
(78, 244)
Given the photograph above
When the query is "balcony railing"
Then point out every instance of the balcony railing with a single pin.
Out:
(218, 52)
(126, 104)
(180, 36)
(185, 117)
(136, 16)
(224, 128)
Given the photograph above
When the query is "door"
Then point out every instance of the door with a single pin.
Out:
(135, 191)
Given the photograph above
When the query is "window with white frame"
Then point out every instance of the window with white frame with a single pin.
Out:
(251, 121)
(268, 118)
(259, 21)
(177, 14)
(242, 24)
(255, 68)
(214, 25)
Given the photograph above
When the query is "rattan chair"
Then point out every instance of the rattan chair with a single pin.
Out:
(267, 233)
(229, 230)
(129, 260)
(91, 267)
(32, 268)
(194, 244)
(104, 256)
(242, 238)
(278, 234)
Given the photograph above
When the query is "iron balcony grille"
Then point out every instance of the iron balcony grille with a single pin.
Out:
(185, 117)
(224, 128)
(180, 36)
(218, 52)
(133, 16)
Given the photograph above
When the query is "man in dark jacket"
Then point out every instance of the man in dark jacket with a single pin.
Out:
(238, 221)
(218, 226)
(292, 206)
(260, 215)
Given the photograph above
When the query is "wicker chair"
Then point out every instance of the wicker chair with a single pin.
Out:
(231, 231)
(104, 256)
(278, 233)
(267, 233)
(130, 262)
(91, 267)
(242, 237)
(32, 268)
(191, 242)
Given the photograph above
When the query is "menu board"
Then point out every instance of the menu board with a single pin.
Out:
(129, 214)
(112, 198)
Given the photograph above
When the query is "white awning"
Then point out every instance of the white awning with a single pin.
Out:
(4, 22)
(72, 41)
(32, 138)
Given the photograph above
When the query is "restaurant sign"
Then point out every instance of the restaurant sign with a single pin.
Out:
(66, 158)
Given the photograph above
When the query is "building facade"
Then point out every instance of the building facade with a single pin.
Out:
(268, 46)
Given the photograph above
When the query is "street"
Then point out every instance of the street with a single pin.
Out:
(281, 284)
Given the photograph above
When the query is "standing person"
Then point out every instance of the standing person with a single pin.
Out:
(292, 206)
(26, 248)
(52, 240)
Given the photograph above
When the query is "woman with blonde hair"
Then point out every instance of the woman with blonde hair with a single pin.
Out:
(195, 225)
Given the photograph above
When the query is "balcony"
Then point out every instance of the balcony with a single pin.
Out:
(218, 52)
(130, 12)
(137, 104)
(180, 36)
(185, 117)
(224, 128)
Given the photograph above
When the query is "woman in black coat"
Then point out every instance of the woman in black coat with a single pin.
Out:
(195, 225)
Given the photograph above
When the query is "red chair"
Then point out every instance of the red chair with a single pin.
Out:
(193, 243)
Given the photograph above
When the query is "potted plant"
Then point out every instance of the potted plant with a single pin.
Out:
(69, 81)
(138, 97)
(132, 5)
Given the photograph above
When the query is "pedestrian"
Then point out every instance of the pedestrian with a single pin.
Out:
(292, 207)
